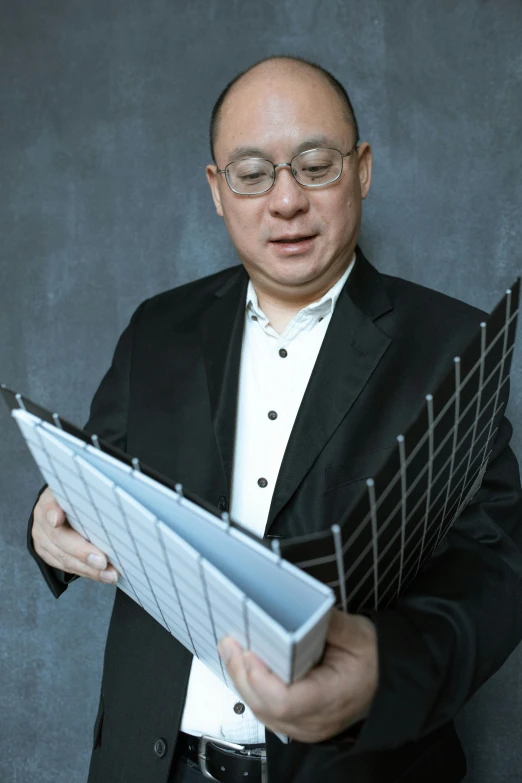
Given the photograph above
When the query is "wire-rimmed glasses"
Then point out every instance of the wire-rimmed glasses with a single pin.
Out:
(311, 169)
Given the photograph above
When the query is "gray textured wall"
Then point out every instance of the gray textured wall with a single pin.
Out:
(103, 201)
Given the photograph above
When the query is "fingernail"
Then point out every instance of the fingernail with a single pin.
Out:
(52, 517)
(109, 576)
(225, 649)
(97, 561)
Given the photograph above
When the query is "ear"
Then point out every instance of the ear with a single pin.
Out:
(212, 179)
(364, 154)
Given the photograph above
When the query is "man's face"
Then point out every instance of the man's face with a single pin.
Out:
(276, 112)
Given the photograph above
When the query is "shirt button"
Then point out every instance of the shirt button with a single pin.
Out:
(222, 503)
(283, 353)
(160, 747)
(239, 708)
(272, 415)
(253, 317)
(262, 482)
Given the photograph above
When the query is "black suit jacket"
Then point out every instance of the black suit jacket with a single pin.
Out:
(170, 398)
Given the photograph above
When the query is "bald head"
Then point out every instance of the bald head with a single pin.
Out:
(295, 238)
(270, 71)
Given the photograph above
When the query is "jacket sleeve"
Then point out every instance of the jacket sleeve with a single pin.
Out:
(108, 420)
(459, 620)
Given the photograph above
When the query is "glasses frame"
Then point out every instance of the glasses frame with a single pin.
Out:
(288, 165)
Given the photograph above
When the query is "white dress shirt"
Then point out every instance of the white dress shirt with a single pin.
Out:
(275, 370)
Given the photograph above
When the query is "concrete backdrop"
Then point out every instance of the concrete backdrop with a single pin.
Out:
(103, 202)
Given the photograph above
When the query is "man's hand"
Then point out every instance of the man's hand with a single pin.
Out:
(330, 698)
(62, 547)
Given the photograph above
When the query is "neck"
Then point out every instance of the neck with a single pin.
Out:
(279, 309)
(278, 313)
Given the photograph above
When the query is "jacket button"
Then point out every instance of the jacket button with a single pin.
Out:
(222, 503)
(160, 747)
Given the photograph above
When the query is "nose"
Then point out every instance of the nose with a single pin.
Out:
(287, 197)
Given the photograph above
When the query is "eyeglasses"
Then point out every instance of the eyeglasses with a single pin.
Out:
(312, 169)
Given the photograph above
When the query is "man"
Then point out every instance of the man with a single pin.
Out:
(274, 388)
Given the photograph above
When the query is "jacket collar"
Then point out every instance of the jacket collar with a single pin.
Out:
(352, 348)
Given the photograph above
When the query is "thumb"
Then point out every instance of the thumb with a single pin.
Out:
(54, 515)
(338, 629)
(349, 631)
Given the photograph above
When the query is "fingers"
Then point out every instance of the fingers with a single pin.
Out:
(264, 692)
(270, 692)
(331, 696)
(68, 550)
(61, 547)
(292, 709)
(233, 656)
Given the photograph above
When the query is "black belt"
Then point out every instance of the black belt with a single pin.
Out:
(227, 762)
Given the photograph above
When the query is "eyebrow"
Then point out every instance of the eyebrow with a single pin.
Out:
(257, 152)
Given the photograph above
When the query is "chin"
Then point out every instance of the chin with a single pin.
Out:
(295, 272)
(289, 275)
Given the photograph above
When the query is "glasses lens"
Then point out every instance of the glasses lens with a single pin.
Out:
(250, 176)
(317, 167)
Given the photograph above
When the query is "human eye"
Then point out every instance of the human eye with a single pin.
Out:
(251, 176)
(250, 172)
(317, 167)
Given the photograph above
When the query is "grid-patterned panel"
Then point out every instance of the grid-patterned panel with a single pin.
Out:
(112, 505)
(434, 471)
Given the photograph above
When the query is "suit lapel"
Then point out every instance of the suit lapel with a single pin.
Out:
(221, 327)
(352, 348)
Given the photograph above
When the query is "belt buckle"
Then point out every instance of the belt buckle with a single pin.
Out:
(202, 752)
(202, 755)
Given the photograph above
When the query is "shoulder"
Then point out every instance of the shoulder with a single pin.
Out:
(429, 311)
(185, 303)
(415, 297)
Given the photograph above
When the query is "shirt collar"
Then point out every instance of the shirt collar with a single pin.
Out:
(324, 306)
